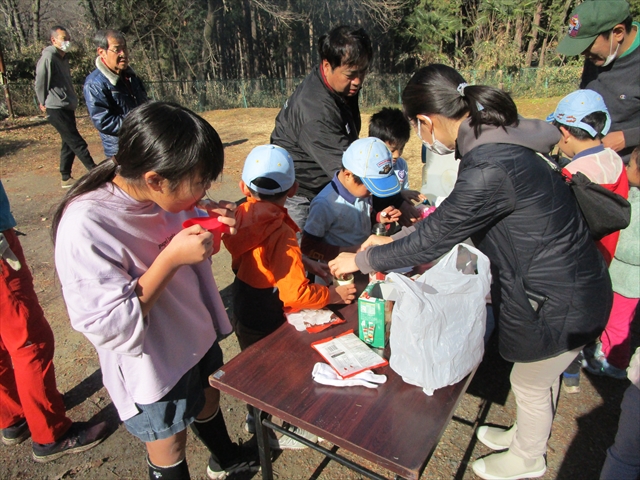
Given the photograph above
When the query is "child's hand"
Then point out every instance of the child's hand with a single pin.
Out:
(190, 246)
(390, 215)
(317, 268)
(410, 214)
(343, 294)
(412, 196)
(223, 208)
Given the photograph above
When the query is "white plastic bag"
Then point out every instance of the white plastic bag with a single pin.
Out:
(438, 321)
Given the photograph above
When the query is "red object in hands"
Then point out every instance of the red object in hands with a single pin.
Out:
(425, 210)
(213, 225)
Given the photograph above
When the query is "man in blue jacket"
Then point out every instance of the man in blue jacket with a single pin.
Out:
(113, 89)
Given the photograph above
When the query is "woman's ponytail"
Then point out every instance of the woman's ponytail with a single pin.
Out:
(440, 89)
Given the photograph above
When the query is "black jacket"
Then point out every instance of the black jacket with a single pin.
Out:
(524, 218)
(316, 126)
(619, 85)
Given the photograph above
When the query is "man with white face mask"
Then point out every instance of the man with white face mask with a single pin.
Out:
(58, 100)
(604, 33)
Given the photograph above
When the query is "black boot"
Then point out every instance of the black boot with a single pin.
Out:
(179, 471)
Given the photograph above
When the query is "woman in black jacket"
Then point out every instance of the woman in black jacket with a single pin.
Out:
(551, 290)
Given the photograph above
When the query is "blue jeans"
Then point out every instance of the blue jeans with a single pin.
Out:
(177, 409)
(623, 460)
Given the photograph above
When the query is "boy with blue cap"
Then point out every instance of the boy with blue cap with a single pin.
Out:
(266, 259)
(340, 216)
(583, 120)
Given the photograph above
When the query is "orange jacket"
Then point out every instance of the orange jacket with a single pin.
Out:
(265, 253)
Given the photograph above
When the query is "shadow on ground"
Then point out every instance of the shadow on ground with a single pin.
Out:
(597, 429)
(8, 147)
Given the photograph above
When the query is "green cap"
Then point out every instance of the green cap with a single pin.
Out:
(590, 19)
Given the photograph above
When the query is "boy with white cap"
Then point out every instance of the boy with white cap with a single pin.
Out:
(583, 120)
(270, 278)
(340, 215)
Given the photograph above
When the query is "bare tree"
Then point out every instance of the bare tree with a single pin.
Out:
(35, 10)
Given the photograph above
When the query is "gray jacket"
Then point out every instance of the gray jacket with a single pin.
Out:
(625, 267)
(54, 87)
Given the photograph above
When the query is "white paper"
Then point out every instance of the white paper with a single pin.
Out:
(348, 354)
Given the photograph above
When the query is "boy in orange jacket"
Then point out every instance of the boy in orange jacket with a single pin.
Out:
(266, 258)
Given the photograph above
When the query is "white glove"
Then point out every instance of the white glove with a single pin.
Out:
(324, 374)
(7, 254)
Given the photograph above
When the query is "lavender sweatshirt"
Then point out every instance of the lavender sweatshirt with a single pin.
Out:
(105, 242)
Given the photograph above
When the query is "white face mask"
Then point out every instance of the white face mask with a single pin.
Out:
(437, 146)
(65, 46)
(612, 56)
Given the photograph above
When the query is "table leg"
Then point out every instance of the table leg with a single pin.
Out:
(262, 435)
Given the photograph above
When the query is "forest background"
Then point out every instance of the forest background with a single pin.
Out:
(212, 54)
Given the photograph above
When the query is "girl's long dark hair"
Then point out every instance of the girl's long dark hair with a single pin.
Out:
(161, 137)
(434, 90)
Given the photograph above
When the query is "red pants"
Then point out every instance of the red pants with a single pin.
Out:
(616, 337)
(27, 378)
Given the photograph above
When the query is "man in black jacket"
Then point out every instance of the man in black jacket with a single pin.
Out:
(321, 119)
(604, 33)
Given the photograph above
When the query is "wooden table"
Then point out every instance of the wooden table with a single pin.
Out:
(395, 426)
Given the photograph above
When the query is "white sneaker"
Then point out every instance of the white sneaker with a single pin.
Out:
(496, 438)
(507, 466)
(250, 424)
(287, 443)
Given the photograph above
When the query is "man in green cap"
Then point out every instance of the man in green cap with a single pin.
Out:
(604, 33)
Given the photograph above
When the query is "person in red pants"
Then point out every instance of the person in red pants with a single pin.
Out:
(30, 403)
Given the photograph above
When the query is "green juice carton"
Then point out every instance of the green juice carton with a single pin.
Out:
(375, 305)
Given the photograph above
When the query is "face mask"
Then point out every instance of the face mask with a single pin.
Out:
(65, 46)
(612, 56)
(437, 146)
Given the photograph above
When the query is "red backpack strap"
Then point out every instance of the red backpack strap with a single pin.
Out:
(566, 174)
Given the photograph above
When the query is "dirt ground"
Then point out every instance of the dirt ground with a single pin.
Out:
(585, 423)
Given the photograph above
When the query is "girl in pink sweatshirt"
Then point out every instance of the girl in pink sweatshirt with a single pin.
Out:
(140, 287)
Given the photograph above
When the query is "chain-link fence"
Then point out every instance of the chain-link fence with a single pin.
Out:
(379, 90)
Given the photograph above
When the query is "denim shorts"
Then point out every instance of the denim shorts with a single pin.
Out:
(177, 409)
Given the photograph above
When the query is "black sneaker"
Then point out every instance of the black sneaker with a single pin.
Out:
(16, 434)
(79, 438)
(248, 460)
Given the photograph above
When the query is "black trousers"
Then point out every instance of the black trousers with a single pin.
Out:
(73, 145)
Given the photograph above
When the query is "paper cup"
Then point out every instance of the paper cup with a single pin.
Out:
(344, 280)
(213, 225)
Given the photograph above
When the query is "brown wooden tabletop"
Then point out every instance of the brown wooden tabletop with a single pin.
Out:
(396, 426)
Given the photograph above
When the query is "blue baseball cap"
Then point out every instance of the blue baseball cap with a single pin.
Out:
(269, 161)
(370, 159)
(577, 105)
